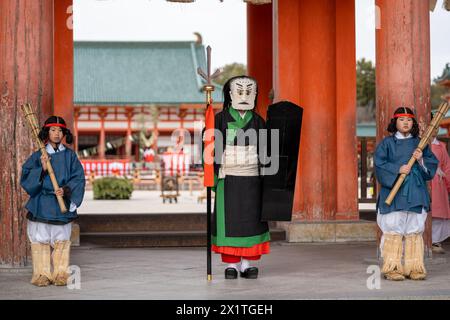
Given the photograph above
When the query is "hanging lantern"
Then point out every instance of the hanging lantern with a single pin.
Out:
(258, 1)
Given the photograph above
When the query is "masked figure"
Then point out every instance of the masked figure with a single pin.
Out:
(239, 235)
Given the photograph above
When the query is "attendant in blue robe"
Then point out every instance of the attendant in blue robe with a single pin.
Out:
(406, 216)
(47, 225)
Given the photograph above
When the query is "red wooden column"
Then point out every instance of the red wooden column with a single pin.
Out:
(128, 143)
(76, 116)
(314, 66)
(316, 192)
(346, 140)
(286, 45)
(63, 61)
(156, 135)
(403, 60)
(259, 52)
(26, 44)
(102, 141)
(403, 65)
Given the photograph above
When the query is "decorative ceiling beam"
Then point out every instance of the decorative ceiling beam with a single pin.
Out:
(248, 1)
(446, 4)
(258, 1)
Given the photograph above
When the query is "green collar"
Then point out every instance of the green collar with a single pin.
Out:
(240, 122)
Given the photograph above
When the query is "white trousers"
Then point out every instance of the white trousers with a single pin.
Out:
(401, 222)
(441, 229)
(39, 232)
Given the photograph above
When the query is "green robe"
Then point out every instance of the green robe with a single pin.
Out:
(237, 207)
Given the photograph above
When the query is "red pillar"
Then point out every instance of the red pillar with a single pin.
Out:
(182, 115)
(102, 140)
(156, 135)
(286, 44)
(63, 61)
(403, 60)
(346, 140)
(316, 193)
(259, 52)
(128, 144)
(315, 68)
(403, 65)
(76, 116)
(26, 44)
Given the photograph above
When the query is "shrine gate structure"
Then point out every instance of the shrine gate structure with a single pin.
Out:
(298, 50)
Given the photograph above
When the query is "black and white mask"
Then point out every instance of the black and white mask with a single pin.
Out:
(243, 93)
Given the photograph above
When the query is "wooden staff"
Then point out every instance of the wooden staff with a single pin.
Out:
(443, 108)
(30, 116)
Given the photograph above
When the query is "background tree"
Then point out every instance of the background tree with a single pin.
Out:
(365, 90)
(229, 71)
(438, 91)
(365, 83)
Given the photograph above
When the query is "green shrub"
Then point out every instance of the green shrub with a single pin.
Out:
(112, 188)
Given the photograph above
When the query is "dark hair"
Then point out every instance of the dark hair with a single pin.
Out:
(392, 128)
(227, 88)
(44, 133)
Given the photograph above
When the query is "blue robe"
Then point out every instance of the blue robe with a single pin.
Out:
(43, 205)
(389, 156)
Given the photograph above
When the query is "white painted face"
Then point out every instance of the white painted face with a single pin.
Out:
(243, 93)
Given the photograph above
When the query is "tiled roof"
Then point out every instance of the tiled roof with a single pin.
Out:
(137, 73)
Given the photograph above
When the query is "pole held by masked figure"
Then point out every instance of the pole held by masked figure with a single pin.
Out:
(424, 141)
(208, 152)
(31, 118)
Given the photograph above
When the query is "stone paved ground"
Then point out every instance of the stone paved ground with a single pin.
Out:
(300, 271)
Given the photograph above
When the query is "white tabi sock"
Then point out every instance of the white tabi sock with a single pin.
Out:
(233, 265)
(245, 264)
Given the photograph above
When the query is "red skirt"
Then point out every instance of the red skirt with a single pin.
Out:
(256, 250)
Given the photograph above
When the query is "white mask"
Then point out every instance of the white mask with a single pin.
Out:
(243, 93)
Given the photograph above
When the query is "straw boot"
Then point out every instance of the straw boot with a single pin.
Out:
(61, 253)
(40, 255)
(414, 256)
(392, 257)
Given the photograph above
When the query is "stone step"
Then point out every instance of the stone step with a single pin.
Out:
(149, 230)
(142, 222)
(192, 238)
(368, 214)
